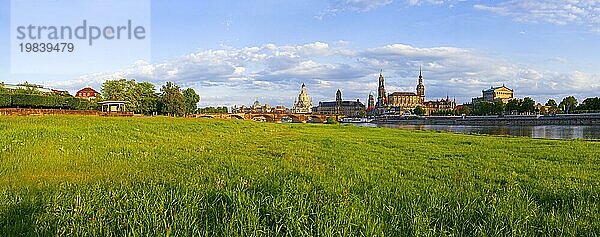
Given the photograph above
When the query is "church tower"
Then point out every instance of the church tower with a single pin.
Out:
(421, 86)
(371, 101)
(381, 95)
(338, 102)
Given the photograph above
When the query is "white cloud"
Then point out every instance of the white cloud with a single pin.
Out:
(338, 6)
(435, 2)
(274, 73)
(361, 5)
(559, 12)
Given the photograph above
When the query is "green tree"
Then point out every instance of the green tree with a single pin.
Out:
(527, 105)
(446, 112)
(482, 108)
(589, 105)
(141, 97)
(191, 100)
(497, 107)
(488, 108)
(553, 106)
(513, 106)
(331, 120)
(419, 111)
(115, 90)
(466, 110)
(568, 104)
(209, 110)
(146, 98)
(172, 100)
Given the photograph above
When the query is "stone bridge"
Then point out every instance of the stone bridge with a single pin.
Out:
(274, 118)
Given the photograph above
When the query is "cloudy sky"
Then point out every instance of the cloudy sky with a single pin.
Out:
(234, 52)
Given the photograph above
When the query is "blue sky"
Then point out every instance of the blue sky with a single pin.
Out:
(234, 52)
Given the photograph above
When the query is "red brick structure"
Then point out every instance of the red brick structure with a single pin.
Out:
(87, 93)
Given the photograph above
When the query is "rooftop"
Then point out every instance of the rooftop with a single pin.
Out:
(344, 103)
(403, 94)
(496, 88)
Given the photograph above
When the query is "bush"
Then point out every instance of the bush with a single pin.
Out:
(33, 101)
(45, 102)
(331, 120)
(5, 100)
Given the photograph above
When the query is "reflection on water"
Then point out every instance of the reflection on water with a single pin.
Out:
(548, 132)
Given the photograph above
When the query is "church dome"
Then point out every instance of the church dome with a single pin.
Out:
(304, 103)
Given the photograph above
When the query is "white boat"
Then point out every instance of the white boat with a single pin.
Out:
(356, 120)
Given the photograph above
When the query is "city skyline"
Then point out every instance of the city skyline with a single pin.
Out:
(232, 53)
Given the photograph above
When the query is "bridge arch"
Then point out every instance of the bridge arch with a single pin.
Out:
(290, 117)
(315, 119)
(235, 116)
(267, 118)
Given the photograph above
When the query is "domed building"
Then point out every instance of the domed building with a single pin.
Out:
(304, 104)
(256, 106)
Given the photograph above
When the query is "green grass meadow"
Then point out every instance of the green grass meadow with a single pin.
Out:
(101, 176)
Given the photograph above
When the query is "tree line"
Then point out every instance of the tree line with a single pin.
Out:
(568, 105)
(213, 110)
(143, 98)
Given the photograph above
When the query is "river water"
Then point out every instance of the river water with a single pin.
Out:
(547, 132)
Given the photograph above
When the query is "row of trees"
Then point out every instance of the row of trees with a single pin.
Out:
(514, 106)
(568, 105)
(419, 110)
(142, 97)
(526, 105)
(209, 110)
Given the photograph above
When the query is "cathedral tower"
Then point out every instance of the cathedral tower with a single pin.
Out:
(381, 95)
(371, 101)
(421, 86)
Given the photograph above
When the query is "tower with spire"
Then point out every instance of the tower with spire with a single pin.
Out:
(381, 94)
(421, 86)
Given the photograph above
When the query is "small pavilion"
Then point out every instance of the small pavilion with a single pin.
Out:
(113, 106)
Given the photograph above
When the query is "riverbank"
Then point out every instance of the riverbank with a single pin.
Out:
(509, 120)
(556, 132)
(87, 175)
